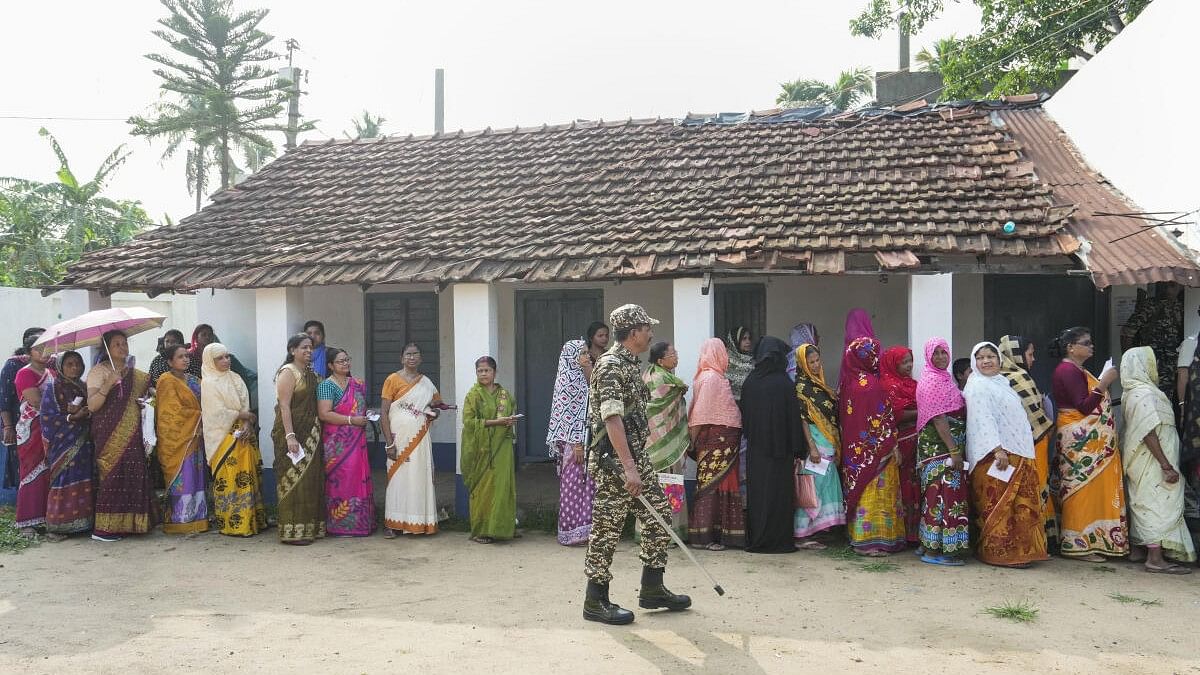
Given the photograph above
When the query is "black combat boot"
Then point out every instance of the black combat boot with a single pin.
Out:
(596, 607)
(654, 595)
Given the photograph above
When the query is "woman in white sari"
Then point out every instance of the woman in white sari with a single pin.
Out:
(1151, 460)
(407, 413)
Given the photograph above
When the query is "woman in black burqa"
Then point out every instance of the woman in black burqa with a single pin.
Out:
(775, 438)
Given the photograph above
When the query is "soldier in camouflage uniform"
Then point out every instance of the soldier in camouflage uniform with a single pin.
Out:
(618, 463)
(1158, 323)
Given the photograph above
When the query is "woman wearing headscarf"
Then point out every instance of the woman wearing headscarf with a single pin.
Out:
(1004, 482)
(802, 334)
(202, 336)
(566, 436)
(667, 443)
(819, 415)
(858, 325)
(232, 446)
(1016, 359)
(70, 455)
(740, 344)
(1092, 491)
(1152, 467)
(181, 444)
(941, 441)
(774, 439)
(870, 461)
(718, 519)
(896, 367)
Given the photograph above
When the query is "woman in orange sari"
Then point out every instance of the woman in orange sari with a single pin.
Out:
(1092, 495)
(1004, 482)
(181, 444)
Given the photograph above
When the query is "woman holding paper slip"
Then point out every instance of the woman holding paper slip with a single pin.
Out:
(488, 464)
(943, 529)
(232, 446)
(299, 461)
(1004, 480)
(342, 408)
(407, 413)
(819, 414)
(1092, 493)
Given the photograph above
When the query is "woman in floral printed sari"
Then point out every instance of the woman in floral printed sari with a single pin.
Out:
(668, 441)
(181, 444)
(488, 461)
(70, 454)
(870, 460)
(718, 517)
(232, 445)
(1094, 524)
(342, 407)
(941, 441)
(819, 411)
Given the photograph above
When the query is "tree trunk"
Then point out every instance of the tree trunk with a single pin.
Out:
(226, 180)
(199, 175)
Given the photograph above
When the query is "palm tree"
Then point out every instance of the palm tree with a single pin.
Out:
(366, 127)
(943, 49)
(844, 93)
(231, 98)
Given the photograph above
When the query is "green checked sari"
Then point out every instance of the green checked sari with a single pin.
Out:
(668, 440)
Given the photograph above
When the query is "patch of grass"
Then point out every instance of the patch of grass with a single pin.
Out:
(840, 553)
(540, 518)
(1019, 612)
(1130, 599)
(879, 566)
(11, 540)
(1103, 568)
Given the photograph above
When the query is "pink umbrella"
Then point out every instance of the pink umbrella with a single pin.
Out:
(86, 330)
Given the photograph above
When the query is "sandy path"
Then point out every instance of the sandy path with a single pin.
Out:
(444, 604)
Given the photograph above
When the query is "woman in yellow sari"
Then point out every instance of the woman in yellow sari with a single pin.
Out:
(180, 444)
(1093, 490)
(1151, 461)
(229, 438)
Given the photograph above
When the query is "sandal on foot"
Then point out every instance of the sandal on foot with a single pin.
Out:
(1091, 557)
(482, 540)
(1171, 568)
(944, 560)
(389, 533)
(810, 545)
(876, 554)
(715, 547)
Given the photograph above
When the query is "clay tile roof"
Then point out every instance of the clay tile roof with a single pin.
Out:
(635, 198)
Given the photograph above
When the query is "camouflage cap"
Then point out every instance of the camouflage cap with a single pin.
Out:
(628, 316)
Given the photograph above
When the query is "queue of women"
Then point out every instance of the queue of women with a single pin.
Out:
(945, 465)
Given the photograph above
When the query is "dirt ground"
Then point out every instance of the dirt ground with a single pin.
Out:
(445, 604)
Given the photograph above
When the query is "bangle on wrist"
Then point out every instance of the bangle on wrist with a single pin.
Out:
(290, 434)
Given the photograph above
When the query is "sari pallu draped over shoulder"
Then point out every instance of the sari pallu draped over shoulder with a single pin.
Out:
(868, 426)
(488, 463)
(70, 457)
(349, 493)
(1155, 506)
(1012, 367)
(410, 504)
(232, 447)
(944, 527)
(717, 508)
(125, 503)
(902, 394)
(738, 365)
(181, 453)
(300, 486)
(818, 410)
(31, 450)
(667, 417)
(567, 427)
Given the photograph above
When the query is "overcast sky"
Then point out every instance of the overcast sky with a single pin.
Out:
(506, 63)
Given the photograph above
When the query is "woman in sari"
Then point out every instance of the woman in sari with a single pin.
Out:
(565, 437)
(1092, 493)
(1008, 505)
(181, 445)
(34, 483)
(299, 460)
(668, 440)
(410, 506)
(740, 344)
(944, 528)
(870, 460)
(1016, 360)
(69, 451)
(231, 442)
(896, 367)
(10, 409)
(718, 519)
(596, 338)
(774, 439)
(125, 502)
(819, 414)
(858, 325)
(802, 334)
(1151, 465)
(342, 408)
(488, 462)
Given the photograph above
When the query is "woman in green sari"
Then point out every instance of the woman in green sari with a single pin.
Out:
(487, 456)
(668, 441)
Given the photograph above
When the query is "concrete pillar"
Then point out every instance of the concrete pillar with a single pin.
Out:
(278, 316)
(77, 301)
(476, 333)
(693, 322)
(930, 314)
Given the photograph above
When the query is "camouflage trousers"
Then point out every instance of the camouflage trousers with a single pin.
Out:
(609, 508)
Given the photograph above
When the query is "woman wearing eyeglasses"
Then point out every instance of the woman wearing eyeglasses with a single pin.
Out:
(407, 413)
(342, 408)
(1092, 494)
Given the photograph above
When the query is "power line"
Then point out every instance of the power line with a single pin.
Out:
(63, 118)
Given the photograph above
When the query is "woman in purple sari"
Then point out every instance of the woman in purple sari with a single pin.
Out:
(342, 408)
(69, 451)
(566, 437)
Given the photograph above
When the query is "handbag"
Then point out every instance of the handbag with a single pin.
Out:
(806, 488)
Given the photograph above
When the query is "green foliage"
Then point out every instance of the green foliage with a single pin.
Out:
(1020, 612)
(366, 127)
(222, 98)
(11, 540)
(1023, 45)
(46, 226)
(849, 89)
(943, 51)
(879, 566)
(1129, 600)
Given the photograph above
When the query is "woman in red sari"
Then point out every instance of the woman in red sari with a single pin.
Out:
(31, 444)
(896, 366)
(342, 408)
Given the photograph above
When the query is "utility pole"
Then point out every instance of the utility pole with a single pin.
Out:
(439, 100)
(292, 74)
(902, 26)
